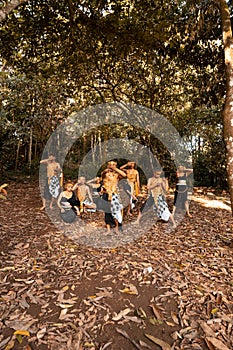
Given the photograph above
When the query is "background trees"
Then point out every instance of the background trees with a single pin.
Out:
(61, 57)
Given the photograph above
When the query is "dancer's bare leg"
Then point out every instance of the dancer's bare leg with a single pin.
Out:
(138, 218)
(117, 226)
(77, 210)
(128, 210)
(171, 218)
(43, 204)
(187, 209)
(51, 203)
(173, 211)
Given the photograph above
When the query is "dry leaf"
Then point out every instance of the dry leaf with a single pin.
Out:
(217, 343)
(125, 334)
(105, 346)
(121, 314)
(66, 306)
(145, 345)
(156, 312)
(210, 345)
(208, 331)
(10, 345)
(161, 343)
(63, 314)
(133, 319)
(4, 342)
(41, 333)
(175, 318)
(130, 289)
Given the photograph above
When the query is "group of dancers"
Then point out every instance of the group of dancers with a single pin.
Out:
(115, 193)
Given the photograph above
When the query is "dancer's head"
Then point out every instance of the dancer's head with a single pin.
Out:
(52, 157)
(180, 168)
(132, 165)
(97, 179)
(112, 165)
(157, 173)
(82, 180)
(68, 186)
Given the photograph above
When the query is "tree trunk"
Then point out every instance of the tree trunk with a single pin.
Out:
(30, 150)
(84, 145)
(105, 146)
(228, 107)
(35, 149)
(93, 147)
(17, 156)
(100, 146)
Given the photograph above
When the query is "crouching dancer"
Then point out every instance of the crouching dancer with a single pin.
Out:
(68, 203)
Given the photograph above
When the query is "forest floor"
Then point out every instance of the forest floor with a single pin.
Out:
(159, 289)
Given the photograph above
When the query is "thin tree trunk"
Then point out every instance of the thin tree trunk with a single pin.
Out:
(105, 146)
(35, 149)
(84, 144)
(228, 107)
(17, 156)
(93, 147)
(30, 149)
(100, 146)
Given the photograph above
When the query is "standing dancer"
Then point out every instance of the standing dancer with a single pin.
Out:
(157, 188)
(127, 199)
(52, 185)
(181, 192)
(134, 182)
(132, 177)
(109, 192)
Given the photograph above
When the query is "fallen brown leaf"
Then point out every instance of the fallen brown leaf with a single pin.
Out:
(217, 343)
(161, 343)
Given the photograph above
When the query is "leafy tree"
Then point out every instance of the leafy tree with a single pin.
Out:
(228, 108)
(165, 55)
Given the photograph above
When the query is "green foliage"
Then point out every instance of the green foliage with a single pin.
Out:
(167, 56)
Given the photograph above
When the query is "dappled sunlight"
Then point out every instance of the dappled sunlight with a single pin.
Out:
(211, 203)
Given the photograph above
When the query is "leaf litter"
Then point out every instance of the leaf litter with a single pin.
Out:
(161, 291)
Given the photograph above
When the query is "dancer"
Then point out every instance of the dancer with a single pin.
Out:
(157, 188)
(68, 203)
(54, 171)
(109, 192)
(132, 177)
(127, 199)
(134, 182)
(181, 192)
(84, 195)
(95, 185)
(3, 192)
(54, 186)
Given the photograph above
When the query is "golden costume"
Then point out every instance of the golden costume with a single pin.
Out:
(132, 177)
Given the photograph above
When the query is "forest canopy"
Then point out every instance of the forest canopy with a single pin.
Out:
(58, 58)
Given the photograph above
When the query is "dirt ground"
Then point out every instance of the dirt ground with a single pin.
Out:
(160, 289)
